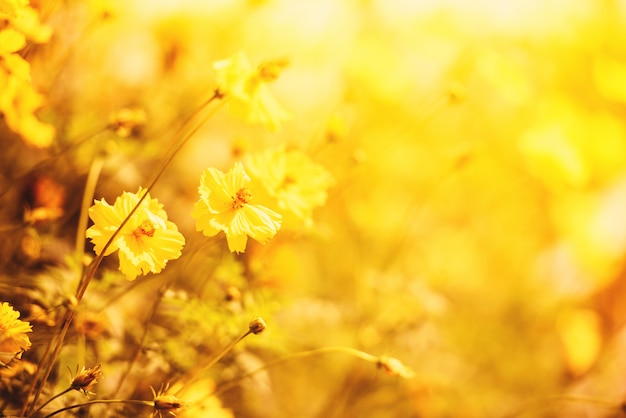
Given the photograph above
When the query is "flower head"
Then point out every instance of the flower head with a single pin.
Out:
(10, 8)
(127, 122)
(166, 404)
(19, 102)
(224, 205)
(292, 180)
(247, 89)
(145, 243)
(13, 338)
(257, 325)
(200, 402)
(19, 99)
(86, 379)
(395, 367)
(169, 404)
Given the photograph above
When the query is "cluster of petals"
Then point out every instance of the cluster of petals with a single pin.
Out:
(18, 98)
(292, 180)
(13, 338)
(146, 242)
(225, 204)
(246, 89)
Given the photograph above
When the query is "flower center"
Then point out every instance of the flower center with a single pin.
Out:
(146, 228)
(287, 181)
(242, 197)
(269, 71)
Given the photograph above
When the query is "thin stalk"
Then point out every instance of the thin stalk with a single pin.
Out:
(211, 363)
(56, 155)
(303, 354)
(58, 395)
(84, 283)
(528, 407)
(102, 401)
(146, 326)
(83, 220)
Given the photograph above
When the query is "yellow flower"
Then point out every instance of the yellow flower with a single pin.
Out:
(10, 8)
(11, 41)
(146, 242)
(247, 90)
(200, 400)
(128, 122)
(19, 101)
(27, 22)
(13, 338)
(18, 97)
(293, 180)
(224, 205)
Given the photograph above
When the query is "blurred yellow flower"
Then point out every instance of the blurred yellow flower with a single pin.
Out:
(11, 41)
(27, 22)
(10, 8)
(128, 122)
(224, 205)
(146, 242)
(200, 401)
(13, 338)
(247, 90)
(18, 103)
(293, 180)
(18, 98)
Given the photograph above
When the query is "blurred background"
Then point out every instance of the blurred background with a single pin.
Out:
(475, 230)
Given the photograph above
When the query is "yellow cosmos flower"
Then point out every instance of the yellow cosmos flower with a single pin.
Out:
(13, 338)
(224, 205)
(296, 183)
(18, 98)
(19, 101)
(246, 87)
(146, 242)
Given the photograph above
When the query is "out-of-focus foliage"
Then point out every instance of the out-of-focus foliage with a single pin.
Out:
(450, 180)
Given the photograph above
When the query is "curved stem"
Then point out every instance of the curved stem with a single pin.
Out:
(303, 354)
(561, 398)
(58, 395)
(101, 401)
(56, 155)
(142, 340)
(180, 138)
(211, 363)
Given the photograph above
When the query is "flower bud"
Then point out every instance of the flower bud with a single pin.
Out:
(257, 325)
(87, 379)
